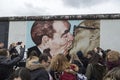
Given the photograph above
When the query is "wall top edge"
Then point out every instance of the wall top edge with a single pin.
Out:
(61, 17)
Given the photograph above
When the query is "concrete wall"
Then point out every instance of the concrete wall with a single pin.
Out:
(17, 32)
(110, 34)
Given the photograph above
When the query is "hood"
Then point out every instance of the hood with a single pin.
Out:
(33, 63)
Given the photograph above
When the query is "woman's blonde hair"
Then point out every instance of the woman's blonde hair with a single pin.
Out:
(74, 57)
(113, 56)
(59, 63)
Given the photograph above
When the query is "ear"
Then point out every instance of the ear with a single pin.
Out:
(45, 39)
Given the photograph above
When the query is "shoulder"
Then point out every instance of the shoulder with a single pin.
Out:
(39, 74)
(33, 47)
(40, 71)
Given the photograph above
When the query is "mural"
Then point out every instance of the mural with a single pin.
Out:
(81, 33)
(86, 35)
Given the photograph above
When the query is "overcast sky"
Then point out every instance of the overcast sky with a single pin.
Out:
(57, 7)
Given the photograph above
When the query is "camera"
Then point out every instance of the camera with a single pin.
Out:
(19, 43)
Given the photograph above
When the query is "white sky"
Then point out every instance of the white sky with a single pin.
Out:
(57, 7)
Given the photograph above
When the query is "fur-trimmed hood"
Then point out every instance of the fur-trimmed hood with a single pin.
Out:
(33, 63)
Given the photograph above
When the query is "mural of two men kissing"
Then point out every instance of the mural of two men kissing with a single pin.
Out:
(84, 37)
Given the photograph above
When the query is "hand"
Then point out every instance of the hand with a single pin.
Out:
(95, 49)
(22, 45)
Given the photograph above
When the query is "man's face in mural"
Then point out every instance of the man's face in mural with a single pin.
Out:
(62, 38)
(54, 35)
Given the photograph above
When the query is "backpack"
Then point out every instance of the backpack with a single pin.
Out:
(67, 76)
(70, 74)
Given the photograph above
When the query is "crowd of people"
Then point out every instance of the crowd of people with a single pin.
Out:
(50, 59)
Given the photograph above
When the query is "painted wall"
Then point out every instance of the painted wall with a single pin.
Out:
(109, 32)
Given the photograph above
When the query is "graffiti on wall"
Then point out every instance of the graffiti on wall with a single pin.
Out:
(85, 29)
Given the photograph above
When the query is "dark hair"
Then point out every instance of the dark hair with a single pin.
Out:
(33, 53)
(3, 52)
(23, 73)
(43, 57)
(41, 28)
(106, 51)
(96, 58)
(47, 52)
(19, 43)
(91, 52)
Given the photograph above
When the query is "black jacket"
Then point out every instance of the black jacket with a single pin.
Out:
(6, 65)
(37, 70)
(39, 74)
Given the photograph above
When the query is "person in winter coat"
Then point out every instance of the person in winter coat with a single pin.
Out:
(62, 69)
(37, 66)
(113, 74)
(112, 59)
(96, 68)
(13, 51)
(20, 74)
(6, 64)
